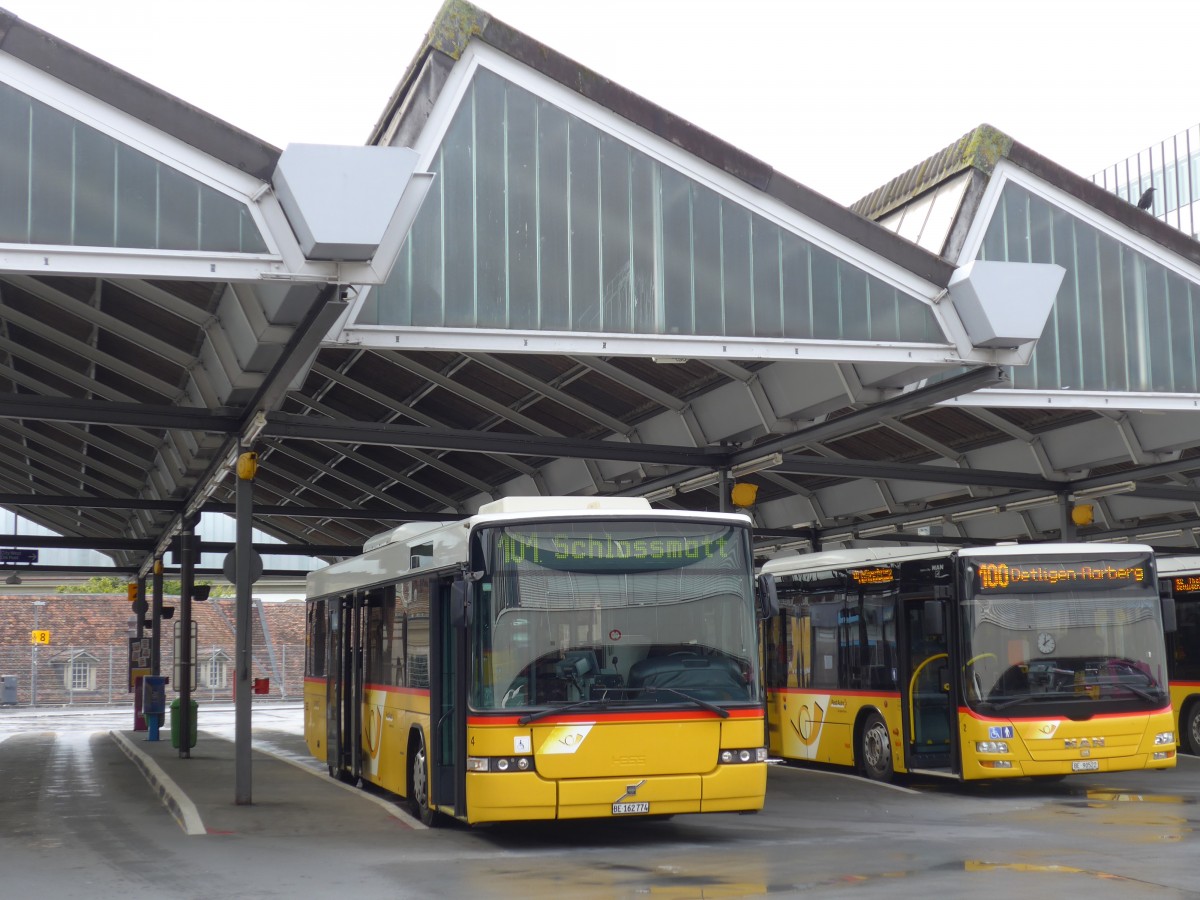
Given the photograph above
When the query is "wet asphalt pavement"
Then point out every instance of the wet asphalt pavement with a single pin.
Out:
(78, 818)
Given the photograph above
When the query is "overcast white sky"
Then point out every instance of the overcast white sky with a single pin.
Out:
(840, 95)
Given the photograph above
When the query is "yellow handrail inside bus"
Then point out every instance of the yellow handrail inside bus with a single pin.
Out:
(975, 675)
(912, 686)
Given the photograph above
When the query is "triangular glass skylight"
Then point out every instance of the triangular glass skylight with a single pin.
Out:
(540, 221)
(1121, 321)
(64, 182)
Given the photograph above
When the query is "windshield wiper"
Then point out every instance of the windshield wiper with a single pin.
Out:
(602, 703)
(1133, 689)
(597, 702)
(1060, 695)
(711, 707)
(1030, 698)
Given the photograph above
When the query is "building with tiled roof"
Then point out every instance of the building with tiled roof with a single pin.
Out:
(87, 659)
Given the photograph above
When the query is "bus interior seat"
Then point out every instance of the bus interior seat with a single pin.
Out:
(932, 727)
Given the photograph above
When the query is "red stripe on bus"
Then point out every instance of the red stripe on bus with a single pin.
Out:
(894, 695)
(963, 710)
(597, 715)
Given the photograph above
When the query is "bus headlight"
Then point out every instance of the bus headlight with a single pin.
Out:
(1164, 737)
(991, 746)
(499, 764)
(747, 755)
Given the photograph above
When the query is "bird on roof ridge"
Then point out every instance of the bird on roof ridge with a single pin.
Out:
(1147, 198)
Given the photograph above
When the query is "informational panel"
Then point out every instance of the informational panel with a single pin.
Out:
(139, 659)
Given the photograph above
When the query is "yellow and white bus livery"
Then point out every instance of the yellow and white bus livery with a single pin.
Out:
(546, 658)
(981, 663)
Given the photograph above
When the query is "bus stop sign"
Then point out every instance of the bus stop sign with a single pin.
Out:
(229, 568)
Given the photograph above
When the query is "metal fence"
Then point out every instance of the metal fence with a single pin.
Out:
(99, 675)
(1172, 168)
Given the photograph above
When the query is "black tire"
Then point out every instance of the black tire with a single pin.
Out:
(1189, 728)
(418, 785)
(875, 749)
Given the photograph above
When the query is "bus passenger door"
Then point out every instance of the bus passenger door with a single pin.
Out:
(343, 700)
(447, 702)
(925, 677)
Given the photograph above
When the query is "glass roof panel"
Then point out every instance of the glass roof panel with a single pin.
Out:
(1121, 322)
(64, 182)
(540, 221)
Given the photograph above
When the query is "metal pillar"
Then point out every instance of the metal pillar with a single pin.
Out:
(33, 669)
(1069, 531)
(156, 616)
(188, 551)
(243, 551)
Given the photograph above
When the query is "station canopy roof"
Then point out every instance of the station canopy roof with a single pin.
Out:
(595, 297)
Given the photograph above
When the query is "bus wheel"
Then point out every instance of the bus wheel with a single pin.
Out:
(875, 748)
(418, 785)
(1189, 724)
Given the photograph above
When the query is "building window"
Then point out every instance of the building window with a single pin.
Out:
(215, 670)
(80, 675)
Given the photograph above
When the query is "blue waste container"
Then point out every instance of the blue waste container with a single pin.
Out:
(154, 704)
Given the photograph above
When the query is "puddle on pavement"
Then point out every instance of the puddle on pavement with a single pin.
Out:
(1097, 797)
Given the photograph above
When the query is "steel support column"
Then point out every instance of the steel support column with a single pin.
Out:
(188, 553)
(243, 553)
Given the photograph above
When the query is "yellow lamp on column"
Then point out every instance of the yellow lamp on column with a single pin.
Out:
(1083, 514)
(247, 466)
(743, 494)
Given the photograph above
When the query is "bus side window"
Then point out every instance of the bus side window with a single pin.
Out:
(1186, 640)
(318, 628)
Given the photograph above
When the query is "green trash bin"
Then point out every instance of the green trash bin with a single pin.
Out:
(177, 721)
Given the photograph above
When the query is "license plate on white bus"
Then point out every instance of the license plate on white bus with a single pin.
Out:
(1085, 765)
(630, 809)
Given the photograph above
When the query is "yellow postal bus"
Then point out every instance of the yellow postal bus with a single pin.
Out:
(1179, 578)
(994, 662)
(547, 658)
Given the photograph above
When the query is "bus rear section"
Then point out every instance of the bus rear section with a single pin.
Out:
(998, 662)
(551, 663)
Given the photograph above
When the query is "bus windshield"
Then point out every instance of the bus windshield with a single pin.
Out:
(605, 612)
(1086, 633)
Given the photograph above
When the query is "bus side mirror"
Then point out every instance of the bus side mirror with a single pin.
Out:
(768, 597)
(932, 625)
(1170, 625)
(461, 611)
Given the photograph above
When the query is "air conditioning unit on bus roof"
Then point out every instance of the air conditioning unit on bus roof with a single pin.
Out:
(566, 504)
(404, 532)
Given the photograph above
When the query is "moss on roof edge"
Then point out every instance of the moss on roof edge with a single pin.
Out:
(979, 149)
(455, 24)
